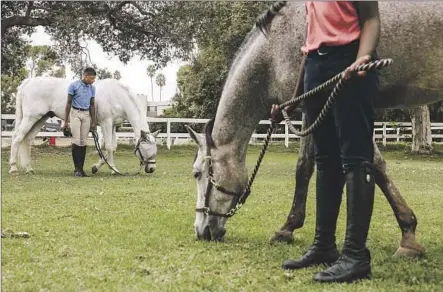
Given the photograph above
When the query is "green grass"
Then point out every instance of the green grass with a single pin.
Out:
(112, 233)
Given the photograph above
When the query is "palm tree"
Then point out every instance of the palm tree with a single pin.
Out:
(160, 80)
(151, 72)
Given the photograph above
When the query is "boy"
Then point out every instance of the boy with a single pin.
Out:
(81, 94)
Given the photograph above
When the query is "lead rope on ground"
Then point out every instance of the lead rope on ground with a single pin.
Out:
(371, 66)
(102, 156)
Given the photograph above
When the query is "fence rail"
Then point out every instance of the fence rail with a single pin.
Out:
(383, 131)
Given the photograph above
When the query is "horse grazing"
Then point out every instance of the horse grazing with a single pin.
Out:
(265, 72)
(43, 97)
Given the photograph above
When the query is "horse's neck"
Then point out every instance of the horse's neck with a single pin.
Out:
(243, 102)
(136, 118)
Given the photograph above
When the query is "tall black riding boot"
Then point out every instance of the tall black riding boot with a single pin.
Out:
(81, 161)
(76, 160)
(330, 183)
(355, 261)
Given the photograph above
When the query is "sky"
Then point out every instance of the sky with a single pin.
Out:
(133, 73)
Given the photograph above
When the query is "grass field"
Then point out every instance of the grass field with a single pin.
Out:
(112, 233)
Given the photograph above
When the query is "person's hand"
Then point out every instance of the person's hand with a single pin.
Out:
(349, 72)
(276, 114)
(93, 127)
(65, 126)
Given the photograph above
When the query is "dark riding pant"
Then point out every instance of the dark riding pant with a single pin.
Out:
(344, 155)
(346, 134)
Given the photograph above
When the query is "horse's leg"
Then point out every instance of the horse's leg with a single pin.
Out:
(303, 173)
(29, 139)
(113, 147)
(405, 216)
(20, 144)
(106, 127)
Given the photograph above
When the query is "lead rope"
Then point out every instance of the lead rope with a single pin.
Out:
(102, 156)
(371, 66)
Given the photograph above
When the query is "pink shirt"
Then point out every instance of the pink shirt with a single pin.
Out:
(330, 23)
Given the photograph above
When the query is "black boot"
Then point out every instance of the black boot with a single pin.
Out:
(76, 160)
(355, 262)
(330, 183)
(81, 161)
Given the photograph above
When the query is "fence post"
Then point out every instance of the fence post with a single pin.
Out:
(286, 135)
(384, 134)
(168, 130)
(398, 135)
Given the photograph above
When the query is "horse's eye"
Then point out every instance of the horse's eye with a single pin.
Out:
(196, 174)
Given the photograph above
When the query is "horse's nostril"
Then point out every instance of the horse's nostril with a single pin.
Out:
(219, 234)
(149, 169)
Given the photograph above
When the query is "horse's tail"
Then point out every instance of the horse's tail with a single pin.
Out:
(24, 146)
(266, 18)
(18, 104)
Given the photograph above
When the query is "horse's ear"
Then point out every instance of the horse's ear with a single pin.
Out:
(143, 134)
(198, 138)
(156, 133)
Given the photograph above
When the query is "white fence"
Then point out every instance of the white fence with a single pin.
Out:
(383, 131)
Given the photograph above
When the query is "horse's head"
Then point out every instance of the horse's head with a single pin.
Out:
(146, 150)
(220, 183)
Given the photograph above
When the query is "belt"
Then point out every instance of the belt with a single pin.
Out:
(80, 109)
(326, 50)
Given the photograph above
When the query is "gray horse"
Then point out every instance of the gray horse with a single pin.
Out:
(265, 71)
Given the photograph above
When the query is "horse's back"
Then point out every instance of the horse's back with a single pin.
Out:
(410, 35)
(43, 94)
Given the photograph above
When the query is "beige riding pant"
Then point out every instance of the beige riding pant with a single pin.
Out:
(80, 122)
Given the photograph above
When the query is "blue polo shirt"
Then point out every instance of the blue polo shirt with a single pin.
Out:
(81, 94)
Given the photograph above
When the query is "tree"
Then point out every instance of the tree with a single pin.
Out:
(223, 27)
(151, 73)
(421, 130)
(14, 52)
(103, 73)
(60, 72)
(42, 59)
(9, 89)
(160, 80)
(124, 28)
(117, 75)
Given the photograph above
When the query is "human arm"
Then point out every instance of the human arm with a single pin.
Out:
(370, 34)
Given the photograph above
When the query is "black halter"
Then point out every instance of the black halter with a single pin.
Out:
(236, 202)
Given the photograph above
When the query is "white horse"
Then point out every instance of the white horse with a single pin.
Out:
(43, 97)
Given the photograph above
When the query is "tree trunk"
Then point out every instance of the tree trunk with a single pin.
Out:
(421, 130)
(160, 94)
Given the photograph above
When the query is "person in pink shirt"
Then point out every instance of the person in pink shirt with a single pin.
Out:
(340, 36)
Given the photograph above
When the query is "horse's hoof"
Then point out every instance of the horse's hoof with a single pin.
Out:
(409, 252)
(30, 171)
(282, 236)
(13, 172)
(94, 169)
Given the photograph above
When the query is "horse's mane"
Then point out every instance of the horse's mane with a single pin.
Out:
(140, 106)
(266, 18)
(208, 133)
